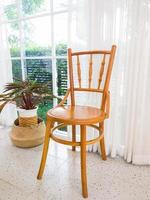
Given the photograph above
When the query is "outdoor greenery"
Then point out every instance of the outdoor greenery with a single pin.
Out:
(28, 7)
(35, 69)
(62, 76)
(41, 71)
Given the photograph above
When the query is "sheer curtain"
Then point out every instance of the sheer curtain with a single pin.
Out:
(8, 114)
(98, 24)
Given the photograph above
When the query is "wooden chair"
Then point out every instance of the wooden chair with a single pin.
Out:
(81, 115)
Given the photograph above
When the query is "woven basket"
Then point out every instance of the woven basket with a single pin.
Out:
(27, 137)
(28, 121)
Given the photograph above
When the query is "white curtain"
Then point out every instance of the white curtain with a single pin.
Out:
(98, 24)
(8, 114)
(137, 96)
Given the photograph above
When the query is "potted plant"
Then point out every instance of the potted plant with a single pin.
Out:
(28, 130)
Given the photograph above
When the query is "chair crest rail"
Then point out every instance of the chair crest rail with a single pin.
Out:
(90, 52)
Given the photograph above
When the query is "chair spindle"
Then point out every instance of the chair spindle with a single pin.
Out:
(79, 71)
(90, 70)
(101, 71)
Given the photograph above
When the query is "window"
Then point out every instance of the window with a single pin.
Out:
(38, 38)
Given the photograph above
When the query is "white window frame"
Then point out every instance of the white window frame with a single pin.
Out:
(53, 57)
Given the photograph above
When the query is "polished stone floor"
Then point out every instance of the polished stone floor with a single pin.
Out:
(113, 179)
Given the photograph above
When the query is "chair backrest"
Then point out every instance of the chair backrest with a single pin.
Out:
(110, 54)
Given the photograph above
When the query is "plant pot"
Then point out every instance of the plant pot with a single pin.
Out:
(27, 117)
(27, 113)
(27, 137)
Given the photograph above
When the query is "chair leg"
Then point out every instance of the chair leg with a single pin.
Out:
(73, 136)
(83, 162)
(45, 149)
(102, 142)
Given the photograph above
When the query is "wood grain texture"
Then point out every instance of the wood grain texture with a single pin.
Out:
(91, 52)
(77, 114)
(108, 74)
(83, 162)
(102, 141)
(90, 70)
(49, 125)
(101, 71)
(73, 136)
(71, 77)
(79, 71)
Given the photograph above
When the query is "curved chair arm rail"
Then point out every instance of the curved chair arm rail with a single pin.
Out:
(61, 141)
(64, 99)
(80, 90)
(107, 104)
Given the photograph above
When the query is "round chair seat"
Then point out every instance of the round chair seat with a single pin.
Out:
(76, 114)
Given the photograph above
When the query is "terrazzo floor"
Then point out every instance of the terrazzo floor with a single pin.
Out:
(113, 179)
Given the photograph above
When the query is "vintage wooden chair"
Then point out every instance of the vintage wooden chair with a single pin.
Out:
(81, 115)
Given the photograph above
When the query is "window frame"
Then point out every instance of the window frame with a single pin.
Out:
(51, 13)
(53, 57)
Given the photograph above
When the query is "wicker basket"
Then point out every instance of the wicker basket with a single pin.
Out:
(28, 121)
(27, 137)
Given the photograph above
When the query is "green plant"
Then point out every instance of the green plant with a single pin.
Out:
(27, 94)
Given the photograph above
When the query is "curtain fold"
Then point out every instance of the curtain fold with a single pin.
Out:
(97, 25)
(8, 114)
(137, 95)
